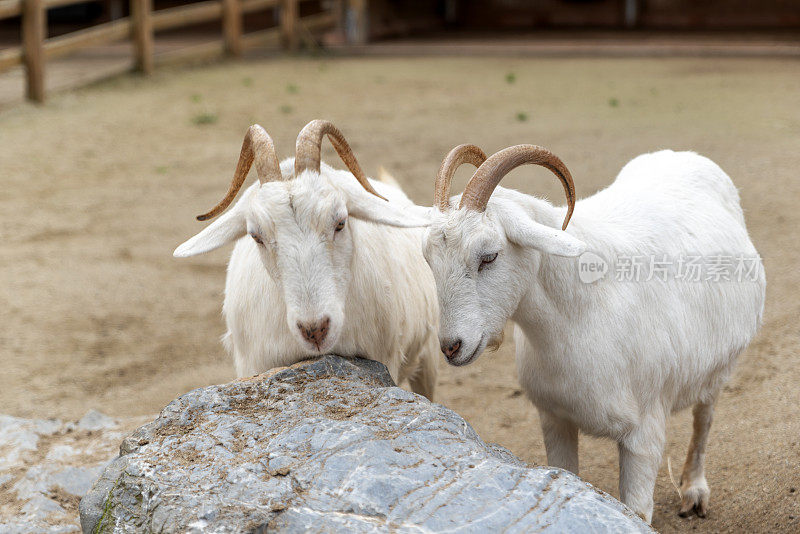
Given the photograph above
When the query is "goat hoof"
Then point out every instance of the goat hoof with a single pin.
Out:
(695, 499)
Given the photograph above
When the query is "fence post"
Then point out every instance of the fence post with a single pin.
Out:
(232, 26)
(141, 13)
(632, 13)
(340, 8)
(357, 22)
(34, 32)
(289, 24)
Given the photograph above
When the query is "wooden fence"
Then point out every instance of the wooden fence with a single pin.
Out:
(141, 26)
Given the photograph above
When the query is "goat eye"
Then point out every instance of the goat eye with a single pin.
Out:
(257, 239)
(340, 225)
(486, 259)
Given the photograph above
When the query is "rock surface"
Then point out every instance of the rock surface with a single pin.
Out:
(331, 445)
(46, 466)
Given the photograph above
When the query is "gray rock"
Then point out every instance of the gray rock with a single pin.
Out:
(94, 420)
(331, 445)
(47, 465)
(17, 437)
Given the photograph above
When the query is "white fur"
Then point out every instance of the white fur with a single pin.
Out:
(612, 358)
(369, 279)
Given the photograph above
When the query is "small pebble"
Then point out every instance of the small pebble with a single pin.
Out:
(280, 472)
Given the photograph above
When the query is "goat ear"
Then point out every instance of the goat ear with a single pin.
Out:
(522, 230)
(363, 205)
(229, 227)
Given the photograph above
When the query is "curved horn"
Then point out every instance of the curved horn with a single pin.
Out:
(455, 158)
(257, 146)
(309, 145)
(488, 175)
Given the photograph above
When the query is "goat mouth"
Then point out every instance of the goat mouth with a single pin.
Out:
(475, 353)
(316, 349)
(319, 350)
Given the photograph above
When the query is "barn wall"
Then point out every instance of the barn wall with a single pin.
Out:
(489, 15)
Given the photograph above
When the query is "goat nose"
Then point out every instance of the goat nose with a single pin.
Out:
(315, 332)
(450, 349)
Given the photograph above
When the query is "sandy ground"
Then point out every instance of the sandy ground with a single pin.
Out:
(100, 185)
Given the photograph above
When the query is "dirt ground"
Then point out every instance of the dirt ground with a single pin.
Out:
(100, 185)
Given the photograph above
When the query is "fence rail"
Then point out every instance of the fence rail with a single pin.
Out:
(49, 4)
(36, 48)
(176, 17)
(10, 8)
(102, 33)
(10, 58)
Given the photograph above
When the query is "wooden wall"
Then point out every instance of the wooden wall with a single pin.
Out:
(392, 17)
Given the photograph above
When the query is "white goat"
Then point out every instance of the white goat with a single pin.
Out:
(316, 274)
(612, 358)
